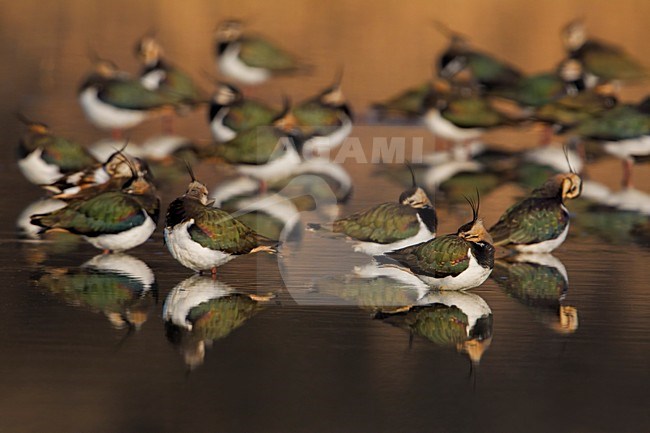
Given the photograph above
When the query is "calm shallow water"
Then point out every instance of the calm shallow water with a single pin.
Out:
(314, 358)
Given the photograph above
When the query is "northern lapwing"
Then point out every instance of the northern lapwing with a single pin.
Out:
(250, 59)
(392, 225)
(45, 157)
(113, 220)
(456, 261)
(202, 237)
(540, 222)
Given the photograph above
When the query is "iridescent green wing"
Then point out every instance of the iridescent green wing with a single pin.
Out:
(384, 224)
(67, 155)
(180, 86)
(620, 123)
(530, 221)
(611, 63)
(132, 95)
(259, 53)
(571, 110)
(440, 257)
(110, 212)
(491, 71)
(216, 318)
(535, 90)
(410, 102)
(473, 112)
(315, 115)
(218, 230)
(254, 146)
(249, 114)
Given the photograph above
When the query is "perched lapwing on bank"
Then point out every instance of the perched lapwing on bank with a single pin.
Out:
(392, 225)
(602, 60)
(115, 101)
(456, 261)
(326, 118)
(250, 59)
(623, 132)
(231, 113)
(540, 222)
(202, 237)
(265, 153)
(114, 220)
(44, 157)
(460, 62)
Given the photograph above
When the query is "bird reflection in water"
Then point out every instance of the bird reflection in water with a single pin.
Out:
(541, 282)
(120, 286)
(447, 318)
(201, 310)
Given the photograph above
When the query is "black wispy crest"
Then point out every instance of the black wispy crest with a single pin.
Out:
(475, 205)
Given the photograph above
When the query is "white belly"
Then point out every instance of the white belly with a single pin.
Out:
(443, 128)
(189, 253)
(323, 144)
(279, 168)
(220, 132)
(546, 246)
(37, 171)
(125, 240)
(473, 276)
(625, 149)
(373, 249)
(230, 65)
(105, 116)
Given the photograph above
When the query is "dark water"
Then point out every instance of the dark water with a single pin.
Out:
(89, 350)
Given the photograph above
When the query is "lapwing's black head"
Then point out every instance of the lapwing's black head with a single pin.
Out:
(474, 231)
(415, 196)
(196, 190)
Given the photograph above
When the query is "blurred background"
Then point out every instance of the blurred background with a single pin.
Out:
(383, 47)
